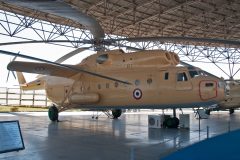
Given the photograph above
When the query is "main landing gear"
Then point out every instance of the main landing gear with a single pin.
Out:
(207, 111)
(116, 113)
(171, 122)
(231, 111)
(53, 113)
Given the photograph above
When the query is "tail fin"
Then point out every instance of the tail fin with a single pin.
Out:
(21, 78)
(33, 85)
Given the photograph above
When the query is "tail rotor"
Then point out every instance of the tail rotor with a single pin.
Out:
(13, 73)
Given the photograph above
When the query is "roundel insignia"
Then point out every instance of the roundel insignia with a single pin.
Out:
(137, 94)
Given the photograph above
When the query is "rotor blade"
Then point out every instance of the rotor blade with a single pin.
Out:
(178, 39)
(8, 76)
(47, 41)
(64, 66)
(135, 39)
(15, 57)
(69, 55)
(62, 9)
(11, 71)
(232, 80)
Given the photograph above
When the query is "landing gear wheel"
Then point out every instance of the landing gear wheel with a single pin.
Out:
(116, 113)
(207, 111)
(231, 111)
(53, 113)
(171, 122)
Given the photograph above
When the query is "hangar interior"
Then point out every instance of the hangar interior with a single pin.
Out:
(139, 18)
(194, 21)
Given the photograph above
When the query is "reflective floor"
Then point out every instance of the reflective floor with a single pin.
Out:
(78, 136)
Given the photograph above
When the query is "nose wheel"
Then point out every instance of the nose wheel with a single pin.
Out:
(53, 113)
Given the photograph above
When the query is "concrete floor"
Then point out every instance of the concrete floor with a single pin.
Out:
(77, 136)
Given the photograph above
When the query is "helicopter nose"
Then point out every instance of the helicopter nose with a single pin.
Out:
(222, 87)
(212, 89)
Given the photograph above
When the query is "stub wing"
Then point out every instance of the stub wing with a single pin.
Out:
(41, 68)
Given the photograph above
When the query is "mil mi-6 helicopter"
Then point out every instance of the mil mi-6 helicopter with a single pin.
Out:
(114, 80)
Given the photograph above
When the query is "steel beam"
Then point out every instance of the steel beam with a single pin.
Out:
(225, 59)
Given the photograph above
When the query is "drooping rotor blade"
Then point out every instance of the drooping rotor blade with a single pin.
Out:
(48, 41)
(63, 66)
(62, 9)
(109, 42)
(179, 39)
(69, 55)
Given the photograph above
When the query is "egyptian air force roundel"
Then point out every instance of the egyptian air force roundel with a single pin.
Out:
(137, 94)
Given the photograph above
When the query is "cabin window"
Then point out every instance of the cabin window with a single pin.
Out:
(209, 85)
(116, 84)
(149, 80)
(166, 76)
(182, 76)
(99, 86)
(107, 85)
(137, 82)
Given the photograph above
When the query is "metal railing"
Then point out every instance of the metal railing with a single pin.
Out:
(17, 97)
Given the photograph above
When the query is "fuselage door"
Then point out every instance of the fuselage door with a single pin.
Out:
(66, 90)
(208, 89)
(183, 82)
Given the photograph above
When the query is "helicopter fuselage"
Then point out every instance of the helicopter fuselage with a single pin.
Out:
(152, 85)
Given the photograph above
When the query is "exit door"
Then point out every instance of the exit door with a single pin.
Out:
(208, 89)
(66, 90)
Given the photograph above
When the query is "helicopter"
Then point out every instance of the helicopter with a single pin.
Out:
(114, 80)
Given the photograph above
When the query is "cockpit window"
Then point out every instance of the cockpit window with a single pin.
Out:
(202, 73)
(182, 76)
(193, 74)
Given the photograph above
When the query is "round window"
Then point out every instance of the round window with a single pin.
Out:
(137, 82)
